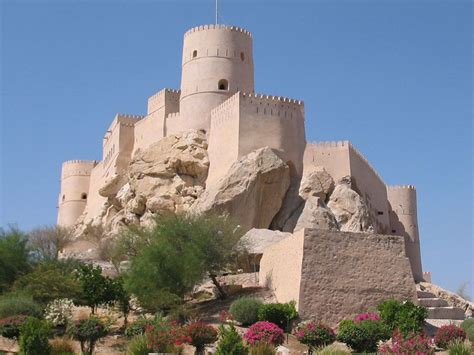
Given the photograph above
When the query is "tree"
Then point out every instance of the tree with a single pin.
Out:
(50, 280)
(96, 288)
(176, 254)
(122, 298)
(14, 256)
(48, 242)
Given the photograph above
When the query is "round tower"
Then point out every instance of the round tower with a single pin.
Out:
(217, 62)
(404, 221)
(75, 179)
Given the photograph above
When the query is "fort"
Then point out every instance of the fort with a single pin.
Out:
(217, 95)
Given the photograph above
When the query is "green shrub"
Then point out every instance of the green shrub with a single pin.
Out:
(245, 310)
(262, 349)
(314, 335)
(137, 327)
(200, 334)
(13, 304)
(61, 346)
(459, 347)
(34, 335)
(447, 334)
(406, 316)
(230, 342)
(138, 346)
(181, 314)
(14, 259)
(363, 336)
(470, 334)
(88, 332)
(10, 326)
(467, 323)
(280, 314)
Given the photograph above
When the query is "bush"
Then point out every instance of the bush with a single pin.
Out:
(412, 343)
(467, 323)
(230, 342)
(365, 316)
(265, 332)
(165, 337)
(405, 316)
(314, 335)
(10, 326)
(50, 280)
(34, 335)
(59, 312)
(470, 334)
(13, 257)
(245, 310)
(363, 336)
(138, 327)
(138, 346)
(447, 334)
(201, 334)
(279, 313)
(262, 349)
(62, 347)
(181, 314)
(459, 347)
(12, 304)
(88, 332)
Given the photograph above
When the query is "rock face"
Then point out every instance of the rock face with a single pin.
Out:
(316, 215)
(349, 208)
(257, 240)
(251, 192)
(316, 183)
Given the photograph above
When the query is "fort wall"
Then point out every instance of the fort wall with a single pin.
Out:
(95, 202)
(404, 221)
(333, 156)
(165, 98)
(75, 180)
(217, 63)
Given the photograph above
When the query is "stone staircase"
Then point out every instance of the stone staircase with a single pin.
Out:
(439, 311)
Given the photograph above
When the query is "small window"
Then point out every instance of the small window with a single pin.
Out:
(84, 196)
(242, 56)
(64, 197)
(394, 231)
(195, 53)
(223, 84)
(380, 213)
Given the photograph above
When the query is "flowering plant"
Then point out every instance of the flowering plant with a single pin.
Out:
(314, 334)
(201, 334)
(448, 333)
(59, 312)
(165, 337)
(10, 326)
(88, 332)
(264, 332)
(413, 343)
(365, 316)
(225, 316)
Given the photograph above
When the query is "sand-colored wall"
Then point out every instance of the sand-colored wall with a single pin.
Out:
(404, 221)
(343, 274)
(212, 53)
(95, 202)
(281, 267)
(333, 156)
(75, 180)
(223, 147)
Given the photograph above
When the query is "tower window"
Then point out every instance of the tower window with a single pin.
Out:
(242, 56)
(84, 196)
(64, 197)
(223, 84)
(195, 53)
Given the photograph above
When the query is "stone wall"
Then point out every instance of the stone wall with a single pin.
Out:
(335, 275)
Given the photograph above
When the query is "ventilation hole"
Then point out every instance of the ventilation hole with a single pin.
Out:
(64, 197)
(242, 56)
(223, 84)
(195, 53)
(84, 196)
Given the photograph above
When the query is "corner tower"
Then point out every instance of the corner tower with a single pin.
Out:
(217, 63)
(404, 221)
(75, 179)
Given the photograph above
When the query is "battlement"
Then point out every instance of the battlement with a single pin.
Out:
(127, 119)
(272, 99)
(159, 99)
(173, 115)
(83, 162)
(401, 187)
(217, 27)
(330, 144)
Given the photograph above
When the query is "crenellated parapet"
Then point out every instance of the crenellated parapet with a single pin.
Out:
(163, 98)
(329, 144)
(401, 187)
(77, 168)
(217, 27)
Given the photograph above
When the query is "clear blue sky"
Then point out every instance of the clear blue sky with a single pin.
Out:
(394, 77)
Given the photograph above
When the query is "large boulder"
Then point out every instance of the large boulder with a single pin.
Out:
(257, 240)
(349, 208)
(318, 183)
(316, 215)
(251, 192)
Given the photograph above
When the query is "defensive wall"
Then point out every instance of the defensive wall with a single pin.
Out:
(404, 221)
(75, 180)
(217, 62)
(337, 267)
(251, 121)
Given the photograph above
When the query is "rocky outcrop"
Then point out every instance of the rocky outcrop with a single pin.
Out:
(257, 240)
(251, 192)
(349, 208)
(316, 215)
(316, 183)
